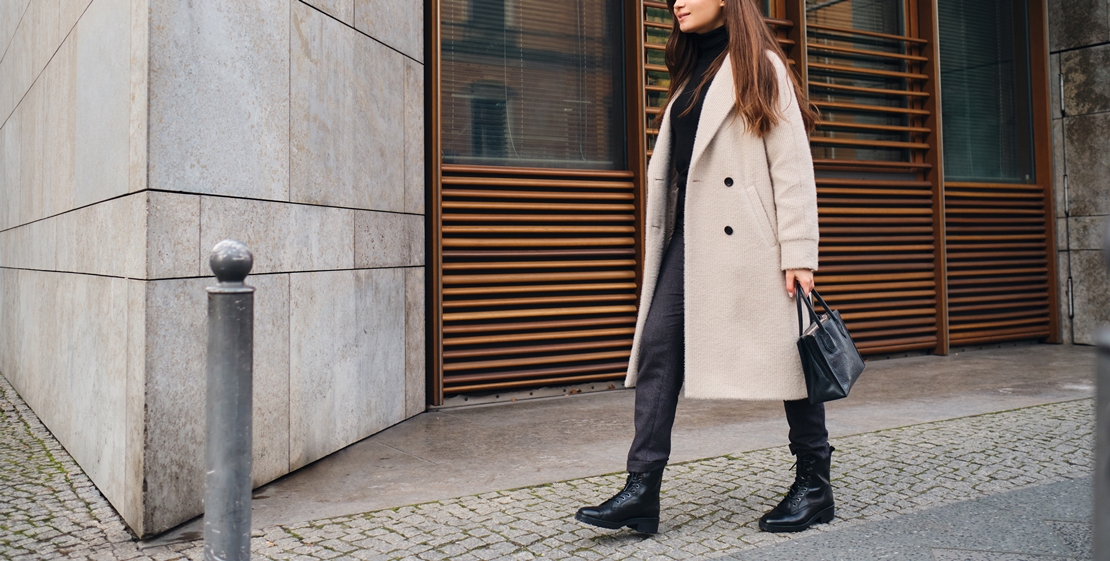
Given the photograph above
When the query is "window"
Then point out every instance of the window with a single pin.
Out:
(986, 91)
(531, 83)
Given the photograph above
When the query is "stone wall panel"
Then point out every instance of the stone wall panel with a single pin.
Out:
(347, 116)
(1077, 23)
(219, 93)
(415, 359)
(1088, 164)
(283, 237)
(1086, 80)
(397, 24)
(414, 138)
(1092, 299)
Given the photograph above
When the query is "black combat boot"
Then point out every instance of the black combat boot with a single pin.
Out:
(809, 500)
(636, 506)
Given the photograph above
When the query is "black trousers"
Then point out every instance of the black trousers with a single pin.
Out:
(661, 373)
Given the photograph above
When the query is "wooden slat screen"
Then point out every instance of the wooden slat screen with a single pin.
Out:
(998, 270)
(876, 203)
(539, 277)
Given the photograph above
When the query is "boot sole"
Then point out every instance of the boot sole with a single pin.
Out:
(823, 516)
(642, 525)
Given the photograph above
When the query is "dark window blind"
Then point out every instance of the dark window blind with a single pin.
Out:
(880, 16)
(531, 83)
(985, 91)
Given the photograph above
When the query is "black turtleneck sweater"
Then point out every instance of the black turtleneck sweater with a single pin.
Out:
(709, 46)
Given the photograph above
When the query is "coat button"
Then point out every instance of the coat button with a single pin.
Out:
(728, 230)
(728, 182)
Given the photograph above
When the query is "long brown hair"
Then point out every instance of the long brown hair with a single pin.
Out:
(749, 39)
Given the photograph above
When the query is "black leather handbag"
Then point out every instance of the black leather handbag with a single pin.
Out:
(830, 360)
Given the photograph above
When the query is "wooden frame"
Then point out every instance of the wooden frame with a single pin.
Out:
(1042, 149)
(433, 314)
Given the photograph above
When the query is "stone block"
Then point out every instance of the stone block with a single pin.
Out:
(176, 381)
(347, 116)
(32, 123)
(1058, 167)
(415, 342)
(1062, 292)
(271, 378)
(414, 137)
(10, 169)
(1088, 164)
(11, 13)
(1061, 234)
(109, 238)
(1087, 232)
(397, 24)
(140, 95)
(16, 68)
(44, 18)
(176, 354)
(1077, 23)
(96, 310)
(173, 235)
(103, 101)
(60, 141)
(131, 505)
(1054, 86)
(282, 236)
(1092, 295)
(342, 10)
(1086, 80)
(347, 359)
(386, 239)
(219, 98)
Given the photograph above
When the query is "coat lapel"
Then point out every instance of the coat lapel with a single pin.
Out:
(719, 101)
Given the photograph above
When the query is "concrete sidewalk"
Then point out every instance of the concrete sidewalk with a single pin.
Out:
(918, 436)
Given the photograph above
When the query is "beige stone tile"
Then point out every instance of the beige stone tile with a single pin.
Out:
(97, 376)
(219, 98)
(70, 13)
(271, 378)
(347, 111)
(1092, 295)
(415, 342)
(342, 10)
(1086, 75)
(387, 239)
(173, 235)
(140, 92)
(1058, 166)
(32, 123)
(11, 13)
(1062, 302)
(131, 507)
(1088, 164)
(10, 169)
(414, 137)
(397, 24)
(44, 16)
(108, 238)
(176, 354)
(17, 69)
(1087, 232)
(282, 236)
(103, 101)
(347, 359)
(59, 145)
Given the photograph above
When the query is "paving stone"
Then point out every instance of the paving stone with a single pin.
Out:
(50, 509)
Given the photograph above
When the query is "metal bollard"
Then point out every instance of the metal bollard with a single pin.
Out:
(227, 494)
(1101, 528)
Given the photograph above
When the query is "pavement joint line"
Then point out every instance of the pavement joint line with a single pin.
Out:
(710, 505)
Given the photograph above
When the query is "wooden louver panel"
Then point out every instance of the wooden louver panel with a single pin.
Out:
(998, 272)
(876, 198)
(538, 275)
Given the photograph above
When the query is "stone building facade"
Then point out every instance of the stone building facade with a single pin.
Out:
(135, 134)
(1079, 34)
(138, 133)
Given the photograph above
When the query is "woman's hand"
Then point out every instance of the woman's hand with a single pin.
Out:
(803, 276)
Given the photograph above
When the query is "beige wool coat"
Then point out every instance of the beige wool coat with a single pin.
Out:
(741, 327)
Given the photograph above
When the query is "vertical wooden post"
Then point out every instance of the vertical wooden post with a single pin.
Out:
(1042, 150)
(923, 16)
(433, 156)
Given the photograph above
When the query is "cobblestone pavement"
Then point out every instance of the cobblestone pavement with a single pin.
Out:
(49, 509)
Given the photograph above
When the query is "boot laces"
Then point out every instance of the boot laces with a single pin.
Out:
(802, 479)
(634, 482)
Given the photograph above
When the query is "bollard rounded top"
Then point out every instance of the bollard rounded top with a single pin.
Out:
(231, 261)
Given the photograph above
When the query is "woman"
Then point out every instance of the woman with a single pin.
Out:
(732, 226)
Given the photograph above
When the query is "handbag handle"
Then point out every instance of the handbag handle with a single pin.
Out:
(809, 305)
